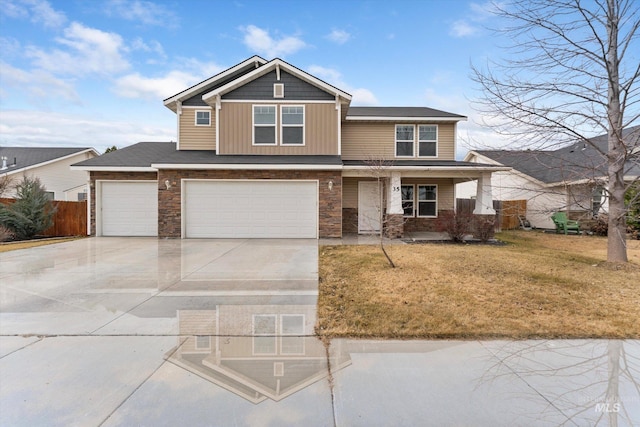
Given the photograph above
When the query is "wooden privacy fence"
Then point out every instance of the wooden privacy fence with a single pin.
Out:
(70, 218)
(507, 211)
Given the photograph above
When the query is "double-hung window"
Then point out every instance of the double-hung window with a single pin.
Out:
(203, 118)
(427, 201)
(264, 125)
(404, 140)
(427, 140)
(408, 199)
(292, 125)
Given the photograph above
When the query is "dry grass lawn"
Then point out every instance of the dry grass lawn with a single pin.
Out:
(12, 246)
(536, 286)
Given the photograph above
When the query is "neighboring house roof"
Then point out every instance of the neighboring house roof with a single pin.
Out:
(19, 159)
(400, 113)
(574, 163)
(153, 155)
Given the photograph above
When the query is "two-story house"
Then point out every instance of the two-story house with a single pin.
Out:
(266, 150)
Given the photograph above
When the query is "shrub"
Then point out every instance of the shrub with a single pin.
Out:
(456, 225)
(31, 213)
(484, 228)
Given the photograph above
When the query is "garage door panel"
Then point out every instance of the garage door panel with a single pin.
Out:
(129, 208)
(251, 209)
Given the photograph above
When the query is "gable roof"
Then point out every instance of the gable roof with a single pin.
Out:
(401, 113)
(276, 64)
(22, 158)
(213, 82)
(573, 163)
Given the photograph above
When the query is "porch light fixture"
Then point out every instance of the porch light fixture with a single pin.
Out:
(330, 185)
(167, 184)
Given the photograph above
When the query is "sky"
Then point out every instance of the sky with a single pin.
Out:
(95, 73)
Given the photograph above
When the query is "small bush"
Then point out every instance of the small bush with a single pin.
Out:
(456, 225)
(484, 228)
(31, 213)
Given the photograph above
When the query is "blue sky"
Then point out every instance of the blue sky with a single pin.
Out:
(94, 73)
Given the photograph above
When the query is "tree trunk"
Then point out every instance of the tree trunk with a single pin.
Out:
(617, 227)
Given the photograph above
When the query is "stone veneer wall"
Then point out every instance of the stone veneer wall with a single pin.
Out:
(113, 176)
(169, 201)
(394, 226)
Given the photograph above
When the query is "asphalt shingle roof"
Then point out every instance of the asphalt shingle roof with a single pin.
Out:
(31, 156)
(144, 154)
(391, 112)
(575, 162)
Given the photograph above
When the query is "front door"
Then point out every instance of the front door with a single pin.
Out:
(369, 206)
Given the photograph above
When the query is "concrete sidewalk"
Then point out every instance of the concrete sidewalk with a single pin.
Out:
(109, 331)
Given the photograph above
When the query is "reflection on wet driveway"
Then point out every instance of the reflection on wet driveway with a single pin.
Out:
(110, 331)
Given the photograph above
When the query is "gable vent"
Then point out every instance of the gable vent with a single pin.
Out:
(278, 90)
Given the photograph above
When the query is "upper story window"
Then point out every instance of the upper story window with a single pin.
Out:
(404, 140)
(425, 145)
(427, 140)
(292, 125)
(203, 118)
(264, 125)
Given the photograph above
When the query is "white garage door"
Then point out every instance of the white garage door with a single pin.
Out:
(129, 208)
(251, 209)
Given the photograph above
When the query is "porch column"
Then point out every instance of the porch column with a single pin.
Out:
(484, 198)
(394, 195)
(394, 219)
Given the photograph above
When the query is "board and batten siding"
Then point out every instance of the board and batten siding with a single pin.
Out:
(362, 140)
(192, 137)
(320, 130)
(445, 190)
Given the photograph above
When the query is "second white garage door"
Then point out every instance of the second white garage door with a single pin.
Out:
(251, 209)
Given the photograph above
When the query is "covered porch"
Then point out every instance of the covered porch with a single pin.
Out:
(402, 199)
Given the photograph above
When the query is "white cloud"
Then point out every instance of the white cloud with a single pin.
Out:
(462, 28)
(39, 85)
(338, 36)
(140, 11)
(41, 128)
(38, 11)
(90, 51)
(138, 86)
(152, 47)
(260, 41)
(360, 96)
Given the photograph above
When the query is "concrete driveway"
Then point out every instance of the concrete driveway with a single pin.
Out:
(109, 331)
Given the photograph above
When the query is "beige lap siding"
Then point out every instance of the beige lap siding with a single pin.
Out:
(330, 201)
(194, 137)
(114, 176)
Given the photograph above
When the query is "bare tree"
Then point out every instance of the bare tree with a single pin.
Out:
(378, 168)
(572, 70)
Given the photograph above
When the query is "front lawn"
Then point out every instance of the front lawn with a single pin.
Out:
(536, 286)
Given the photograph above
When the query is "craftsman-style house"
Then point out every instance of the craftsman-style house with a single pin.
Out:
(266, 150)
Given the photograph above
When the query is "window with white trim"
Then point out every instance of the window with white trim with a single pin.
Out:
(404, 140)
(292, 119)
(203, 118)
(427, 140)
(427, 201)
(264, 125)
(264, 334)
(408, 198)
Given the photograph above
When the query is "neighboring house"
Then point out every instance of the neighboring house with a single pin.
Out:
(51, 166)
(571, 179)
(266, 150)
